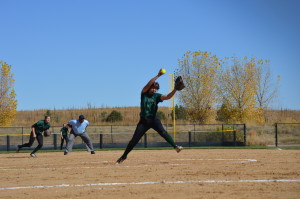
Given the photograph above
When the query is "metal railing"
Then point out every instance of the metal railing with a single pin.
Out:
(117, 136)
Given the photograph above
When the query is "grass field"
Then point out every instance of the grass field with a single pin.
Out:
(193, 173)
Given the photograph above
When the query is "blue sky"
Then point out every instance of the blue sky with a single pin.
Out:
(71, 53)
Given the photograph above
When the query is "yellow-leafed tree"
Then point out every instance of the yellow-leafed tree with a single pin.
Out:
(238, 88)
(199, 70)
(8, 102)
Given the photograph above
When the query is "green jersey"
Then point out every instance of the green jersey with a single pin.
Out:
(149, 104)
(41, 126)
(64, 131)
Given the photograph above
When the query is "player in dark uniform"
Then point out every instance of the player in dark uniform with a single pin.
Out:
(36, 133)
(64, 135)
(148, 118)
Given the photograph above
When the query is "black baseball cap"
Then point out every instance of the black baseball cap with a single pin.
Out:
(81, 117)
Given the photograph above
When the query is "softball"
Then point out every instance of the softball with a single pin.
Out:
(163, 71)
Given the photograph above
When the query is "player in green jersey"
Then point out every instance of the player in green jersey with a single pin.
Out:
(36, 133)
(148, 118)
(64, 136)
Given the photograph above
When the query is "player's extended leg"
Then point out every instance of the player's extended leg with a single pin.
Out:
(67, 139)
(40, 140)
(62, 142)
(157, 126)
(87, 140)
(70, 144)
(29, 144)
(140, 130)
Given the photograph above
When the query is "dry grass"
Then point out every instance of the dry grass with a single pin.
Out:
(96, 116)
(130, 115)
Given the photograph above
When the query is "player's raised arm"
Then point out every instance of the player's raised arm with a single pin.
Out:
(179, 85)
(148, 85)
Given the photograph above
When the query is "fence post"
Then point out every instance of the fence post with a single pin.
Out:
(111, 136)
(276, 135)
(234, 138)
(245, 135)
(190, 138)
(222, 134)
(22, 135)
(55, 141)
(145, 141)
(101, 141)
(7, 142)
(194, 132)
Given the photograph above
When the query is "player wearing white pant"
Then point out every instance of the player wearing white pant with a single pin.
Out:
(79, 129)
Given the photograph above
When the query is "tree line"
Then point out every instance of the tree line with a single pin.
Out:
(240, 89)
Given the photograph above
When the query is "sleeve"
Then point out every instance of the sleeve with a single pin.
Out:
(48, 127)
(158, 98)
(36, 124)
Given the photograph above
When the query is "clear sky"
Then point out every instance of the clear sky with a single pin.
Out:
(71, 53)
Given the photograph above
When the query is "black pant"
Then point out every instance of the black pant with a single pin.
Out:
(40, 140)
(64, 137)
(142, 127)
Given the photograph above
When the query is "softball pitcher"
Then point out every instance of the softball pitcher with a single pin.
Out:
(148, 119)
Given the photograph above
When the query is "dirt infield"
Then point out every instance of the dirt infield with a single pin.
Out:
(202, 173)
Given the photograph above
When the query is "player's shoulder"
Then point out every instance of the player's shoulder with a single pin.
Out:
(157, 94)
(72, 121)
(40, 122)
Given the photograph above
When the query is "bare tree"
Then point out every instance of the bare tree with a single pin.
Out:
(267, 91)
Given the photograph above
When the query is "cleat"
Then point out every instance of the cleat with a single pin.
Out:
(120, 160)
(33, 155)
(178, 149)
(65, 153)
(93, 152)
(18, 148)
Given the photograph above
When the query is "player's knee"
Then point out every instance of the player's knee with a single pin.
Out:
(28, 144)
(164, 133)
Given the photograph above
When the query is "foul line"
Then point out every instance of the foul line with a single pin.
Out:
(147, 183)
